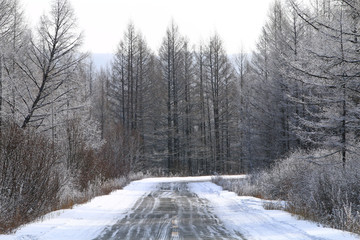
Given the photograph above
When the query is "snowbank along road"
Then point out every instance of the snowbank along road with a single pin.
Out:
(174, 208)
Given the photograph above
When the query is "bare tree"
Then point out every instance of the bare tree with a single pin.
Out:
(170, 57)
(9, 18)
(329, 68)
(219, 72)
(49, 62)
(14, 46)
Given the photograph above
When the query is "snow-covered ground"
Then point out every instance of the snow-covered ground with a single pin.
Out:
(247, 216)
(84, 221)
(242, 214)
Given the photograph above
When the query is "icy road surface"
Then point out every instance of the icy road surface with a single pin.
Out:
(174, 208)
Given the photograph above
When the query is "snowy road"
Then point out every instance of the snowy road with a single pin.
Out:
(170, 212)
(174, 208)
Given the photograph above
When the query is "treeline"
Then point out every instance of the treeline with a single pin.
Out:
(177, 107)
(196, 110)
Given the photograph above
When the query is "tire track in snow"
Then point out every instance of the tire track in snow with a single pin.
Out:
(170, 212)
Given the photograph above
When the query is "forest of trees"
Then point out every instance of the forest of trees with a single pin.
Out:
(178, 107)
(182, 109)
(196, 110)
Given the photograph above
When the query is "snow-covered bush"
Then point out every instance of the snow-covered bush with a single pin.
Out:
(29, 182)
(70, 195)
(244, 186)
(324, 191)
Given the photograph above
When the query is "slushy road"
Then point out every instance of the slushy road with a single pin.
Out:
(170, 212)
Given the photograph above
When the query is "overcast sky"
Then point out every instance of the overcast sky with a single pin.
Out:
(103, 22)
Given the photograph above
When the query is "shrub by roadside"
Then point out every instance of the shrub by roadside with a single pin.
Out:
(71, 196)
(29, 182)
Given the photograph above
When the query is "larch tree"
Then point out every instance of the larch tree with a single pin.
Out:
(219, 74)
(10, 17)
(188, 72)
(15, 45)
(203, 145)
(48, 63)
(171, 63)
(332, 76)
(129, 92)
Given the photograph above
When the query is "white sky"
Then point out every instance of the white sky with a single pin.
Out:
(238, 22)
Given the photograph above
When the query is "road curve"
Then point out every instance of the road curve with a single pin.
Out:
(171, 211)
